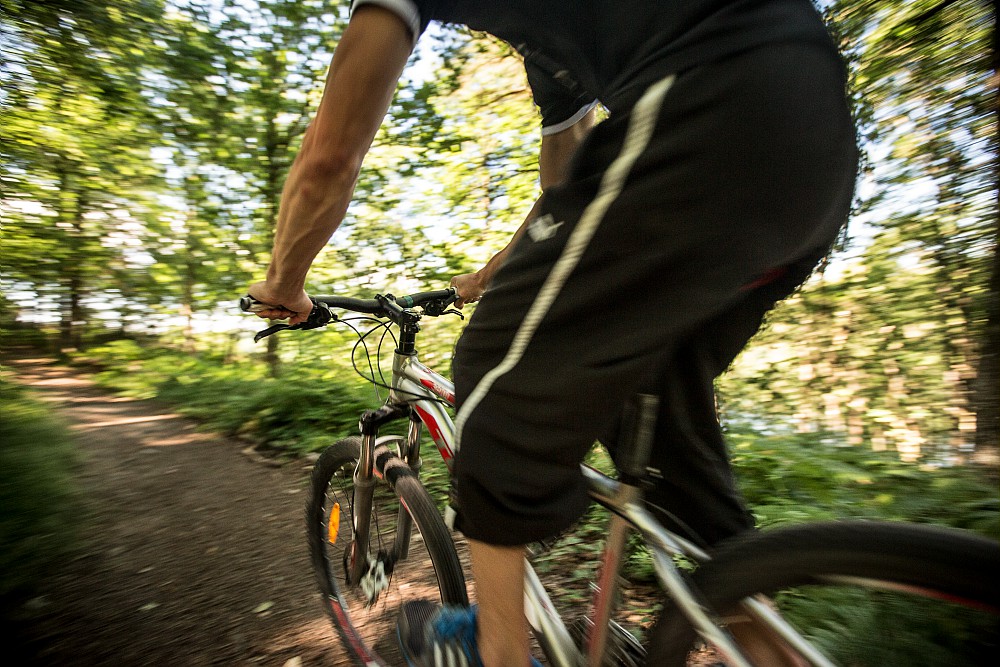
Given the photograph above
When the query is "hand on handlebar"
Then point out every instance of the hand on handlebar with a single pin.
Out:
(469, 287)
(295, 307)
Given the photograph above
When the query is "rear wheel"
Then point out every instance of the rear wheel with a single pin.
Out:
(400, 565)
(863, 593)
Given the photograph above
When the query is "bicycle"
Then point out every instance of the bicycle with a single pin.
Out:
(368, 559)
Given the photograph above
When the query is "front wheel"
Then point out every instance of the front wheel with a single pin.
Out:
(400, 565)
(863, 593)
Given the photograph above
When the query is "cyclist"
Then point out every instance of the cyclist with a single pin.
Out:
(663, 235)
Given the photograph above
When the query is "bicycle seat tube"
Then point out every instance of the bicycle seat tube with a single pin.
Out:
(635, 447)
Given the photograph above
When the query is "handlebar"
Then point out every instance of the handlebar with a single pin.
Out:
(434, 303)
(397, 309)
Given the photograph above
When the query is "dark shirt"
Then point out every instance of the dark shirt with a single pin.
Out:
(579, 51)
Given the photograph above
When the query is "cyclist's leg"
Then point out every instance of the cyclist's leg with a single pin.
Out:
(693, 488)
(694, 491)
(499, 575)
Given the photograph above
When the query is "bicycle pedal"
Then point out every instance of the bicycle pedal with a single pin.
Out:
(449, 517)
(374, 581)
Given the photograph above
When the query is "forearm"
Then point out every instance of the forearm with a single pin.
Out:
(493, 265)
(360, 84)
(313, 204)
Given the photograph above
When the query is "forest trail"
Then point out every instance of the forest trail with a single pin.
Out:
(192, 552)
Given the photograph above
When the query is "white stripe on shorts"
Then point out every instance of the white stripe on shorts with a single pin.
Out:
(637, 137)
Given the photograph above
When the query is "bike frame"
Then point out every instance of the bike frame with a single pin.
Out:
(423, 395)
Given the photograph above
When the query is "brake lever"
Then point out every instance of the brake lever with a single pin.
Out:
(440, 307)
(271, 330)
(454, 311)
(319, 316)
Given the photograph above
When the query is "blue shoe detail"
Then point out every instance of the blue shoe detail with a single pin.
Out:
(432, 636)
(457, 624)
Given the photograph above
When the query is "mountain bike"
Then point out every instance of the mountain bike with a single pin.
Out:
(924, 594)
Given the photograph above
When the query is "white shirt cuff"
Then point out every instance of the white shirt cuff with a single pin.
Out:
(569, 122)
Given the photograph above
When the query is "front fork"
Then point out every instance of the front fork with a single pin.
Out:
(362, 568)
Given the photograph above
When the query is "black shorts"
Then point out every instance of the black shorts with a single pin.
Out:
(680, 224)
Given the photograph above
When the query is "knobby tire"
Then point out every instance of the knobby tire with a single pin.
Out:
(852, 573)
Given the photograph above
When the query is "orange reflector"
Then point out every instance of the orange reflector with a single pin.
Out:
(334, 526)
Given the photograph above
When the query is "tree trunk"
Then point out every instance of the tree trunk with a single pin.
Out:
(986, 400)
(271, 356)
(65, 324)
(272, 196)
(71, 206)
(187, 297)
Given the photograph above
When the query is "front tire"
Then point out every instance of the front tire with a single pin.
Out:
(365, 612)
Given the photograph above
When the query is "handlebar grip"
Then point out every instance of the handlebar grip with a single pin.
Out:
(423, 297)
(248, 304)
(319, 315)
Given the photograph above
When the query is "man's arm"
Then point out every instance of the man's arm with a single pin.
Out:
(553, 161)
(366, 67)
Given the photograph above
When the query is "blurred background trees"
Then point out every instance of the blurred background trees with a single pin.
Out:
(143, 144)
(896, 343)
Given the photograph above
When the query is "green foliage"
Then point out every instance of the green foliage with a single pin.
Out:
(791, 479)
(851, 627)
(451, 174)
(303, 413)
(890, 348)
(74, 143)
(786, 478)
(144, 145)
(41, 512)
(924, 292)
(142, 149)
(317, 402)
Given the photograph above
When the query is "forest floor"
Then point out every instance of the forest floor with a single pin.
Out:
(192, 548)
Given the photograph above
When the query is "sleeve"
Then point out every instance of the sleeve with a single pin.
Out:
(404, 9)
(562, 102)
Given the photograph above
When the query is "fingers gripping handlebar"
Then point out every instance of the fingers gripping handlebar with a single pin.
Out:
(319, 316)
(397, 309)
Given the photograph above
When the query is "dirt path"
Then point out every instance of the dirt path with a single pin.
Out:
(192, 553)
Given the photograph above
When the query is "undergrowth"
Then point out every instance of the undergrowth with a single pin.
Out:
(303, 411)
(39, 520)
